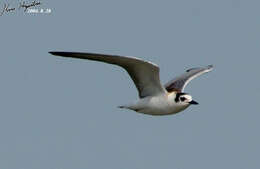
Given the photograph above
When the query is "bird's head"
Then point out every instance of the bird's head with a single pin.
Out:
(184, 99)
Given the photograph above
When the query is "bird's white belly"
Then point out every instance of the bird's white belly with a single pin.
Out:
(157, 106)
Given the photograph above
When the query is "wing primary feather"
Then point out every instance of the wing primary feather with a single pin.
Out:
(178, 84)
(144, 74)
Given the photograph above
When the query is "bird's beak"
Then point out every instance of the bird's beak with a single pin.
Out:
(193, 102)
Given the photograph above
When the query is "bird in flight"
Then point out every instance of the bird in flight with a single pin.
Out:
(154, 98)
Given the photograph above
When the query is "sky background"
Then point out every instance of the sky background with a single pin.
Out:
(61, 113)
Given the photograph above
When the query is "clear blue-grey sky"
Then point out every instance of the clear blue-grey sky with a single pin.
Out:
(61, 113)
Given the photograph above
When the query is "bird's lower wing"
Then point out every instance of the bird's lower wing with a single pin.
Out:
(179, 83)
(144, 74)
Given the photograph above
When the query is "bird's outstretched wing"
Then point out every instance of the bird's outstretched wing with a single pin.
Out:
(178, 84)
(144, 74)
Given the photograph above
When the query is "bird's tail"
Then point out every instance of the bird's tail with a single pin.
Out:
(122, 107)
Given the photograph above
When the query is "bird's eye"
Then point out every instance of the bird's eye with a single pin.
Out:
(183, 99)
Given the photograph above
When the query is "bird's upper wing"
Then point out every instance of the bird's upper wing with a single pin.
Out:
(144, 74)
(179, 83)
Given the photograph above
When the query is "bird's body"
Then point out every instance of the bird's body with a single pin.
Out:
(155, 99)
(162, 104)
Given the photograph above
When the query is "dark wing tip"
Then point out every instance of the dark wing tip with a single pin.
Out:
(210, 66)
(53, 53)
(65, 54)
(190, 69)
